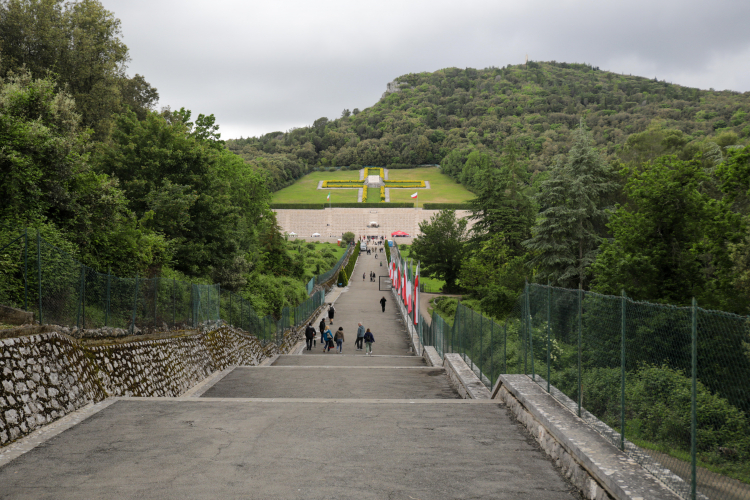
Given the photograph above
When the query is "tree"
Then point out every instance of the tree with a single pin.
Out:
(47, 179)
(572, 214)
(205, 200)
(502, 206)
(670, 242)
(440, 247)
(495, 274)
(348, 237)
(78, 43)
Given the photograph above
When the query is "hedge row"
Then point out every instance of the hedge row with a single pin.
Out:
(298, 206)
(349, 269)
(321, 206)
(364, 194)
(446, 206)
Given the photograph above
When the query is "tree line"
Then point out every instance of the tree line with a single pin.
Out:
(87, 160)
(444, 116)
(665, 221)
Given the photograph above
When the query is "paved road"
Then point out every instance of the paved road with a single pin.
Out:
(316, 426)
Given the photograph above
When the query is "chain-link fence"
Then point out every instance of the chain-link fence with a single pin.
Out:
(676, 380)
(39, 277)
(59, 290)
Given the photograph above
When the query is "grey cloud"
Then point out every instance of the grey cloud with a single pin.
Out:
(270, 66)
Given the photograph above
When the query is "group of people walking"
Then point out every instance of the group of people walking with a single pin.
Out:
(330, 340)
(373, 276)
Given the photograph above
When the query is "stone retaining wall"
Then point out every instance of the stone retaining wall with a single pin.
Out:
(46, 376)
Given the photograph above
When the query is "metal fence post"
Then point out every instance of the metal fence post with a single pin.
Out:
(492, 343)
(156, 295)
(580, 327)
(531, 337)
(109, 296)
(505, 347)
(80, 301)
(25, 269)
(693, 406)
(39, 272)
(524, 340)
(622, 375)
(549, 319)
(135, 305)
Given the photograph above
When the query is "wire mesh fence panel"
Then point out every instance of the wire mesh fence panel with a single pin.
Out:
(61, 286)
(722, 400)
(14, 269)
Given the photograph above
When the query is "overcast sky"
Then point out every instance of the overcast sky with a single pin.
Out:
(273, 65)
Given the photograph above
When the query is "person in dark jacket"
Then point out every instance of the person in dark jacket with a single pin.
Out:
(322, 328)
(369, 339)
(382, 303)
(339, 339)
(309, 336)
(331, 311)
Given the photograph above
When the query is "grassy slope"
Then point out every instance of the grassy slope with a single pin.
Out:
(305, 190)
(443, 189)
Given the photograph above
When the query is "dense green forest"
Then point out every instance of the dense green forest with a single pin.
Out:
(444, 116)
(86, 160)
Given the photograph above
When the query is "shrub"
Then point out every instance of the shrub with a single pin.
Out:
(297, 206)
(446, 206)
(342, 279)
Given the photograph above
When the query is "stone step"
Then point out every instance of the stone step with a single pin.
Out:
(341, 382)
(332, 359)
(176, 449)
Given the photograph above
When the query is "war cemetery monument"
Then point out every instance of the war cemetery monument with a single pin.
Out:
(526, 281)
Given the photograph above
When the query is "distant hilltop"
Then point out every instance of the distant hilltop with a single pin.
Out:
(422, 118)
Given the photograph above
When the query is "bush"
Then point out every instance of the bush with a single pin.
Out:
(297, 206)
(371, 205)
(342, 279)
(348, 237)
(446, 206)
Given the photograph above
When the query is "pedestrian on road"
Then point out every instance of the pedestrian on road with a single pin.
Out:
(322, 328)
(382, 303)
(309, 336)
(369, 339)
(360, 336)
(327, 341)
(331, 312)
(339, 338)
(363, 276)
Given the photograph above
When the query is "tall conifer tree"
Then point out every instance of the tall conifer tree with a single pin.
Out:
(572, 214)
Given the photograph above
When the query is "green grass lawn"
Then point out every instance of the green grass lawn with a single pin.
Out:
(305, 190)
(443, 189)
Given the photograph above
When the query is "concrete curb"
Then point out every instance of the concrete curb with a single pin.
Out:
(431, 356)
(463, 379)
(592, 464)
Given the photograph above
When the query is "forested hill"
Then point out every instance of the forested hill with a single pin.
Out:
(535, 105)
